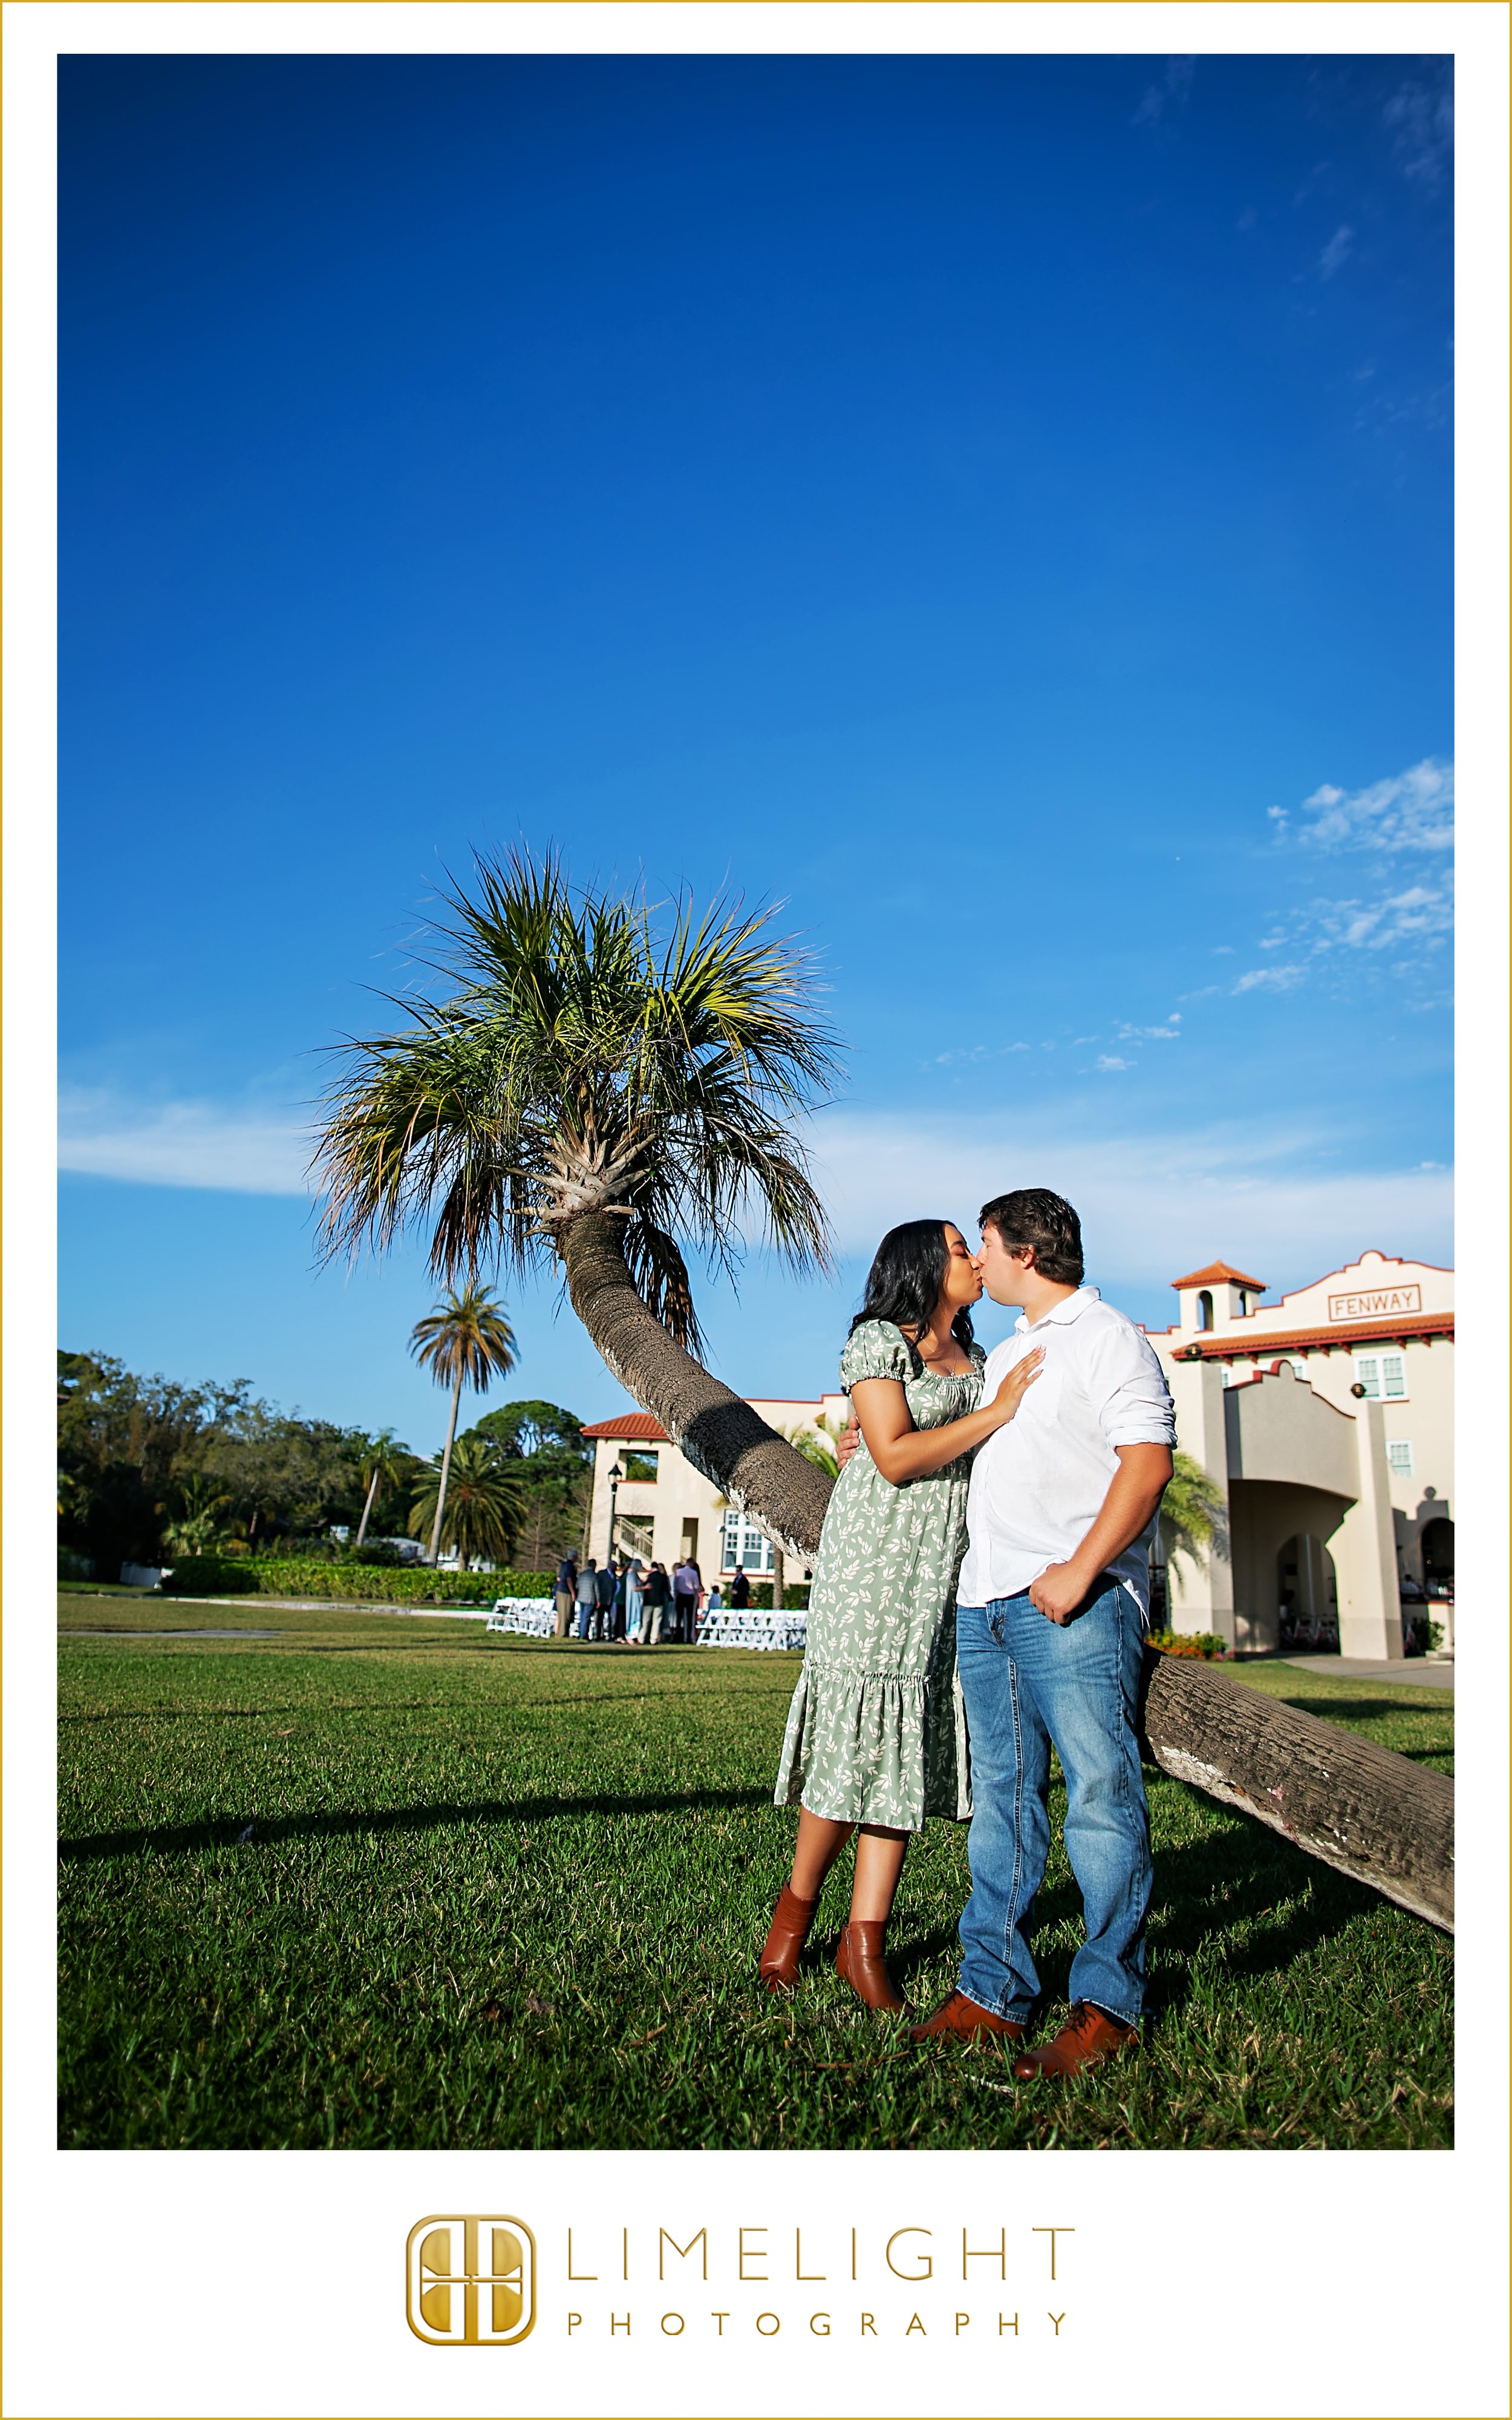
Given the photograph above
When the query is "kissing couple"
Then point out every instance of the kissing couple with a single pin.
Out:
(983, 1577)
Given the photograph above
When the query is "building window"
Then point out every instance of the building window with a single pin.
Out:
(1204, 1308)
(1399, 1455)
(1383, 1376)
(744, 1547)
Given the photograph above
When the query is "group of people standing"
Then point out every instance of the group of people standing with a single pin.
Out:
(633, 1603)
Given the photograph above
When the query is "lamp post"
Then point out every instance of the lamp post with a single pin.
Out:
(615, 1475)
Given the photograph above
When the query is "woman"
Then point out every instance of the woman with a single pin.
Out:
(634, 1579)
(875, 1736)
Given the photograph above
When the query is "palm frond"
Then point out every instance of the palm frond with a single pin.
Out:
(586, 1056)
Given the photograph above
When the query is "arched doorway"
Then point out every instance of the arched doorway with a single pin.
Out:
(1439, 1558)
(1308, 1592)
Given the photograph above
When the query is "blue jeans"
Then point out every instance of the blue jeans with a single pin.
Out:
(1030, 1684)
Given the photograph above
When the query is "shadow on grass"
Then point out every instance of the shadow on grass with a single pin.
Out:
(1332, 1709)
(183, 1840)
(1200, 1888)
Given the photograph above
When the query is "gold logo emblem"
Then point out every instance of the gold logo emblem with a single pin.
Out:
(470, 2281)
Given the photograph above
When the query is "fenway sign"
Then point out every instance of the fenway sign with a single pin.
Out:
(1384, 1303)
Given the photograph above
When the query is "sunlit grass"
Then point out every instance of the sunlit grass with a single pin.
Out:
(507, 1892)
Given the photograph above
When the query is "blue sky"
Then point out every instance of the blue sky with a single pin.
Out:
(1000, 507)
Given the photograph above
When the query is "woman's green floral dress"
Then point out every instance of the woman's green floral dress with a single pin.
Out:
(876, 1731)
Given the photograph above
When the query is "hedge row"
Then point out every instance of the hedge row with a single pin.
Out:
(373, 1583)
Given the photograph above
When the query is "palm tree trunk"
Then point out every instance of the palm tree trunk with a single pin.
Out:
(720, 1435)
(372, 1491)
(1374, 1815)
(446, 1472)
(1371, 1813)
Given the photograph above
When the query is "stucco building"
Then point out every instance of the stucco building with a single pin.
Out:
(1325, 1420)
(664, 1509)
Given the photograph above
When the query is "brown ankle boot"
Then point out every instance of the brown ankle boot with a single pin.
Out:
(778, 1964)
(861, 1964)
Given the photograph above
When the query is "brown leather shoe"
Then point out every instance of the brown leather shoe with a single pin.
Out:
(965, 2021)
(861, 1963)
(778, 1964)
(1087, 2038)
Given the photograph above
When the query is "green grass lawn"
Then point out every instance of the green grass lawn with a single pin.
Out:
(506, 1892)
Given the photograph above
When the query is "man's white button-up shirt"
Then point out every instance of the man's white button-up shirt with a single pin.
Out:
(1038, 1485)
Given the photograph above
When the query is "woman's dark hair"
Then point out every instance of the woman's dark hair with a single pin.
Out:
(905, 1279)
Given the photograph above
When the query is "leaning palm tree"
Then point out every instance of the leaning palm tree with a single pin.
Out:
(383, 1465)
(465, 1339)
(484, 1502)
(602, 1095)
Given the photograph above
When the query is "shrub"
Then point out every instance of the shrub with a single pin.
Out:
(350, 1583)
(1188, 1642)
(73, 1567)
(795, 1595)
(209, 1575)
(1421, 1635)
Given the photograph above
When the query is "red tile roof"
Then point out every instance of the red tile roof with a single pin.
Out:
(639, 1425)
(1219, 1273)
(1341, 1337)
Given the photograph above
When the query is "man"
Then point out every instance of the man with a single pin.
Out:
(687, 1586)
(587, 1597)
(605, 1588)
(1050, 1618)
(654, 1595)
(740, 1592)
(566, 1591)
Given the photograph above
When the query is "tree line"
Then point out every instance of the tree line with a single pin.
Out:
(149, 1468)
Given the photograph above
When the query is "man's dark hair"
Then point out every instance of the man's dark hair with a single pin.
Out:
(1044, 1221)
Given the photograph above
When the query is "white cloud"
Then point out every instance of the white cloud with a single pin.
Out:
(1409, 811)
(1336, 251)
(199, 1143)
(976, 1052)
(1169, 1031)
(1272, 978)
(1106, 1066)
(1172, 91)
(1423, 127)
(1151, 1205)
(1416, 918)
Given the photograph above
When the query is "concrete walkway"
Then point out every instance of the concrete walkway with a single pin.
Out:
(1418, 1670)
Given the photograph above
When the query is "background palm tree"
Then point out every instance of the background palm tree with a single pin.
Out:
(815, 1441)
(1191, 1510)
(383, 1466)
(465, 1339)
(200, 1520)
(604, 1093)
(480, 1508)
